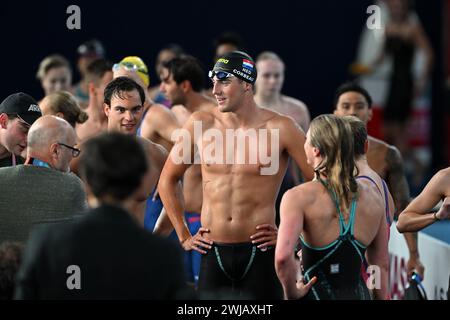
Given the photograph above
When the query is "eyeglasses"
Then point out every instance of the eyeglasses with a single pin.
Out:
(75, 151)
(129, 67)
(221, 75)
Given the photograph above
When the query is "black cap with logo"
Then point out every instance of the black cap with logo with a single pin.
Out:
(23, 105)
(237, 63)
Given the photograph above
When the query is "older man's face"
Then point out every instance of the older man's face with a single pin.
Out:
(65, 154)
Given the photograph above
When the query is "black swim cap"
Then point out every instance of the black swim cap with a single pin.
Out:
(237, 63)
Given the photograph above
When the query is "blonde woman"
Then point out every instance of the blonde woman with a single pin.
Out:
(64, 105)
(55, 74)
(337, 218)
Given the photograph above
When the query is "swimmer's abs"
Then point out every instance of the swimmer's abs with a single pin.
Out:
(238, 229)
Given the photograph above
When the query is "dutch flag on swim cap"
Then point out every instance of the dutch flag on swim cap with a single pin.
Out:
(239, 64)
(247, 64)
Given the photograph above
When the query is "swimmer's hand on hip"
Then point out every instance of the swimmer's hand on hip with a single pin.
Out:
(197, 242)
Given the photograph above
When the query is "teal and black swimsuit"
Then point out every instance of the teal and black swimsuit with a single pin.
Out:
(337, 266)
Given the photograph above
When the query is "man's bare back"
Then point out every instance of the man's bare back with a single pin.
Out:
(90, 129)
(293, 108)
(376, 156)
(158, 125)
(298, 111)
(157, 156)
(386, 161)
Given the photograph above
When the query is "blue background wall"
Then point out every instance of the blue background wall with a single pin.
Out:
(317, 39)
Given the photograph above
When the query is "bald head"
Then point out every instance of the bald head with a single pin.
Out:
(46, 139)
(48, 129)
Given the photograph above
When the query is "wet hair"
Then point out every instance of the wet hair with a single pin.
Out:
(351, 87)
(120, 85)
(359, 134)
(186, 68)
(113, 164)
(10, 260)
(51, 62)
(65, 103)
(97, 69)
(333, 137)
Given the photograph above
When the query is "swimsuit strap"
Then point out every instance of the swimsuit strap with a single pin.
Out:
(342, 225)
(371, 180)
(386, 202)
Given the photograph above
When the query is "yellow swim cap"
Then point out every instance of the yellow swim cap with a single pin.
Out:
(133, 63)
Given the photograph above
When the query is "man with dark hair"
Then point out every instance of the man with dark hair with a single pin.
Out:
(158, 122)
(88, 52)
(123, 87)
(17, 113)
(384, 159)
(238, 232)
(123, 106)
(42, 189)
(106, 255)
(186, 68)
(167, 53)
(10, 260)
(182, 83)
(352, 87)
(98, 75)
(226, 42)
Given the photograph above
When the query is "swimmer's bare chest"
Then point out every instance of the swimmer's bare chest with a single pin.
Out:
(242, 170)
(237, 198)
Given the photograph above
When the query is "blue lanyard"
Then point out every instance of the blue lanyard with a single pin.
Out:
(39, 163)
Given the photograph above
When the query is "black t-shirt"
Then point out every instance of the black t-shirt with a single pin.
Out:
(7, 162)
